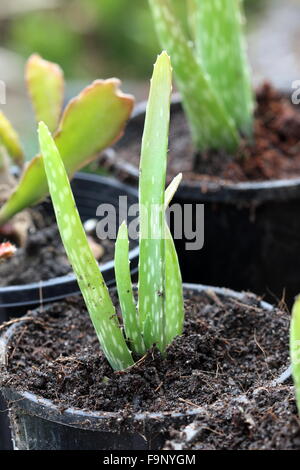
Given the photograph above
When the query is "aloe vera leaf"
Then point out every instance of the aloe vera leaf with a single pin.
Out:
(295, 348)
(91, 122)
(211, 126)
(151, 198)
(10, 140)
(221, 48)
(45, 83)
(174, 306)
(88, 274)
(125, 293)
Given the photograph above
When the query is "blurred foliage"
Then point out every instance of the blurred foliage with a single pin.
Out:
(90, 37)
(32, 34)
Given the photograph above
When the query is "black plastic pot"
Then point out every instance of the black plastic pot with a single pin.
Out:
(38, 424)
(251, 230)
(89, 191)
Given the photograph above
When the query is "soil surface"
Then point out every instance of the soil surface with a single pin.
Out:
(265, 419)
(228, 347)
(44, 256)
(274, 152)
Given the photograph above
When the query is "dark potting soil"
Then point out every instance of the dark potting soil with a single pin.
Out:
(228, 346)
(274, 152)
(265, 419)
(44, 256)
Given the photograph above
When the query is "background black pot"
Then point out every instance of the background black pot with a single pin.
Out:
(38, 424)
(251, 230)
(89, 191)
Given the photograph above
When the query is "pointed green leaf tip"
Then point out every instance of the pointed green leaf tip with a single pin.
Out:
(295, 348)
(45, 83)
(89, 277)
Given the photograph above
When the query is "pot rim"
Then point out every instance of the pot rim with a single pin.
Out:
(259, 191)
(45, 408)
(67, 280)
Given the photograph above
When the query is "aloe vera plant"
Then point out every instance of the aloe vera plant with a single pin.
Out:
(210, 67)
(89, 123)
(158, 315)
(295, 348)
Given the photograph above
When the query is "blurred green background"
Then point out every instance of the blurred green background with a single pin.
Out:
(102, 38)
(87, 36)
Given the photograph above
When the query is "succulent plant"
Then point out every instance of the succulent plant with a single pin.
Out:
(210, 67)
(89, 123)
(158, 316)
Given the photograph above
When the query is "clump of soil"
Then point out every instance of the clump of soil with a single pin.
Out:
(43, 256)
(228, 346)
(265, 419)
(274, 152)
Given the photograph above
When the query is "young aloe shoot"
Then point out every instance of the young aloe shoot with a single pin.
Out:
(90, 122)
(158, 315)
(211, 68)
(295, 348)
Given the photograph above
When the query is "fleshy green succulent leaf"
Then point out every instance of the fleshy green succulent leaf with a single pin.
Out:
(10, 140)
(87, 271)
(151, 198)
(221, 48)
(211, 126)
(295, 348)
(174, 307)
(125, 293)
(91, 122)
(45, 83)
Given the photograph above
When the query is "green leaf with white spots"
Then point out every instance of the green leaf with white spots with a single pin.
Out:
(174, 306)
(10, 140)
(151, 199)
(211, 125)
(91, 122)
(45, 83)
(88, 274)
(221, 49)
(295, 348)
(123, 279)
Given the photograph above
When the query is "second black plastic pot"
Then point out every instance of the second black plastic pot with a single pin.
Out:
(251, 229)
(38, 424)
